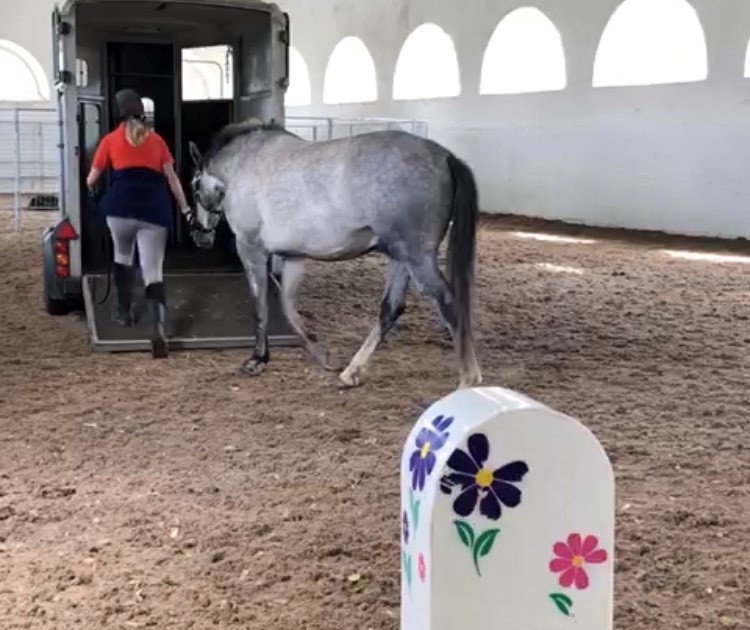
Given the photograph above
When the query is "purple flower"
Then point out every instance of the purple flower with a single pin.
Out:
(479, 484)
(423, 458)
(405, 528)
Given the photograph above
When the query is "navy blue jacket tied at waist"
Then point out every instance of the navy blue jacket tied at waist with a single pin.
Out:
(138, 193)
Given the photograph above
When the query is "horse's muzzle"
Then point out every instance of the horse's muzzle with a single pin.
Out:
(203, 238)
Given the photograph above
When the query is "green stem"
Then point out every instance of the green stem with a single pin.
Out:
(476, 565)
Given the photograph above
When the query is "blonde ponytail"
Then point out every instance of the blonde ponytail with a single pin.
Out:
(135, 131)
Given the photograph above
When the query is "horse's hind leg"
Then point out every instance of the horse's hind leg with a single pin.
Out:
(432, 283)
(447, 328)
(391, 308)
(291, 279)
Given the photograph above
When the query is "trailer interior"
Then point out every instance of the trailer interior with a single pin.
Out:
(197, 67)
(156, 48)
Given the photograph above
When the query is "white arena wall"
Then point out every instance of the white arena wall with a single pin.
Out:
(660, 143)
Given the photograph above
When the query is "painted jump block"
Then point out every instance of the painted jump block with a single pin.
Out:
(507, 518)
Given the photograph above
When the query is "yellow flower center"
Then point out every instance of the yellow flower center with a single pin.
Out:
(424, 450)
(483, 477)
(577, 561)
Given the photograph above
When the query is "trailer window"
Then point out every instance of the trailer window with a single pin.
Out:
(207, 73)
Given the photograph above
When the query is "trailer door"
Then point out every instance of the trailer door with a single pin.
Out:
(95, 237)
(263, 62)
(282, 38)
(63, 60)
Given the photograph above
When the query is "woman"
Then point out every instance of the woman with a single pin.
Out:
(138, 209)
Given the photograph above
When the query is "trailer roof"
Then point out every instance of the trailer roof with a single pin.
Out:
(67, 5)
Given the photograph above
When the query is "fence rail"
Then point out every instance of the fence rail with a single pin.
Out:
(30, 159)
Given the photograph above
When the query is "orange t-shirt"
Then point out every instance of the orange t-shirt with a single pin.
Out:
(115, 150)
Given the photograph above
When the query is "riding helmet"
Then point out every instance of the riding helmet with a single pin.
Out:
(129, 104)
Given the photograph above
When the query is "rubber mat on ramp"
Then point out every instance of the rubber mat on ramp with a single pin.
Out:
(203, 311)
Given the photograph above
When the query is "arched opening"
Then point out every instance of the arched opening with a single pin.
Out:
(427, 66)
(23, 78)
(524, 54)
(299, 92)
(651, 42)
(350, 75)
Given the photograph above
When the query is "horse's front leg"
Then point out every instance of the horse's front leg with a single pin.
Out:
(255, 261)
(291, 279)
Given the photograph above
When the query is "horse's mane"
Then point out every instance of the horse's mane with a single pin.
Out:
(232, 131)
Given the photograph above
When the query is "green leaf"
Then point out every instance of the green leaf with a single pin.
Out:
(407, 567)
(465, 533)
(483, 545)
(413, 509)
(563, 603)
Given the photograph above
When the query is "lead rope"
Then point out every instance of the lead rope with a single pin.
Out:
(107, 249)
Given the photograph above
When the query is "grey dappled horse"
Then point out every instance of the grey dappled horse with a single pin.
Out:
(390, 192)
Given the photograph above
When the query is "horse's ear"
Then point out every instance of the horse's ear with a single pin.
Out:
(195, 154)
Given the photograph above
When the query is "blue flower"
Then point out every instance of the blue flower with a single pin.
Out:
(428, 441)
(491, 489)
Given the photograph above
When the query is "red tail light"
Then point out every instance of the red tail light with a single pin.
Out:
(64, 232)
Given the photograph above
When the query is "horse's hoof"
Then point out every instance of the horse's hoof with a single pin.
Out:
(323, 359)
(331, 366)
(475, 380)
(252, 367)
(328, 367)
(349, 378)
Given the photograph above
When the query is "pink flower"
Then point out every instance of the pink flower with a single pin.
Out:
(573, 556)
(421, 567)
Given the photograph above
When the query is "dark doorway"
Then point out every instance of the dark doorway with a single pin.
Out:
(200, 121)
(150, 70)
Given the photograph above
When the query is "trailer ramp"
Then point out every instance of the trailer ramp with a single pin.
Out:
(206, 310)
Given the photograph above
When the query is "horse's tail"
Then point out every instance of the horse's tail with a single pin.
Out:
(461, 249)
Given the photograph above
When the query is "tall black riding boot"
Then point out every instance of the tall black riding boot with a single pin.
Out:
(156, 297)
(123, 277)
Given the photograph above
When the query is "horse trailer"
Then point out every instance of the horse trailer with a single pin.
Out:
(198, 65)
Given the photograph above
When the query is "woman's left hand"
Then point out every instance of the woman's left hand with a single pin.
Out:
(189, 215)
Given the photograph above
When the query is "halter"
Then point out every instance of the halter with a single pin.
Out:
(192, 217)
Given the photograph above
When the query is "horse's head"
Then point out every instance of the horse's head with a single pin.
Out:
(208, 196)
